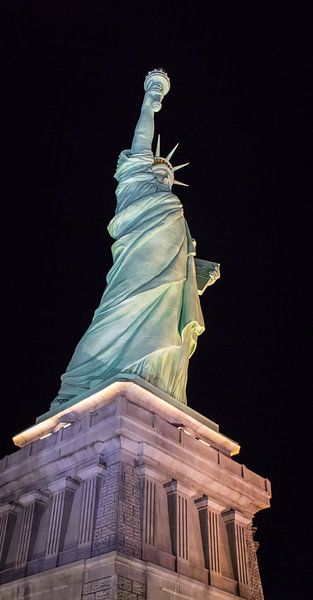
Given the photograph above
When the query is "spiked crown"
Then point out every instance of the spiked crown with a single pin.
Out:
(164, 167)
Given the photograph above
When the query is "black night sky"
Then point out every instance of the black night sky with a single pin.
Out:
(72, 87)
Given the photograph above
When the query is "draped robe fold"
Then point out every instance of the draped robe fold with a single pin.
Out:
(149, 316)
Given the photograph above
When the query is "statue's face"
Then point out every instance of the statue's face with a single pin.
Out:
(163, 175)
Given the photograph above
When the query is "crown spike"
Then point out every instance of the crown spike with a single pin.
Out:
(180, 183)
(180, 166)
(157, 151)
(170, 154)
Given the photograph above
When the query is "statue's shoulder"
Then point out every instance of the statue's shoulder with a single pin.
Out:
(129, 164)
(127, 155)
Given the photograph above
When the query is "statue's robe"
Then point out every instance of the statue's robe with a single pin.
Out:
(149, 316)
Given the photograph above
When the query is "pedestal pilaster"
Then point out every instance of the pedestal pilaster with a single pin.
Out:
(32, 503)
(178, 498)
(155, 524)
(209, 511)
(63, 490)
(91, 477)
(8, 514)
(236, 525)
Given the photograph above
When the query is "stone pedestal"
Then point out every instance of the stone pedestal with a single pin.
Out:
(127, 495)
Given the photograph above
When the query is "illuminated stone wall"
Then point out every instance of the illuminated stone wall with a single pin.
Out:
(128, 497)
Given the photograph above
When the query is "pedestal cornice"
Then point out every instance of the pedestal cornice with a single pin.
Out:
(150, 399)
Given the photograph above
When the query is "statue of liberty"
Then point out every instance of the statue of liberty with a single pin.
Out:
(149, 317)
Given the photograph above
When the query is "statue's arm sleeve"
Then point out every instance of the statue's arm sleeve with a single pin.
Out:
(144, 130)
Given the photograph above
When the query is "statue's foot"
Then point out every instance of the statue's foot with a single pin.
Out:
(157, 84)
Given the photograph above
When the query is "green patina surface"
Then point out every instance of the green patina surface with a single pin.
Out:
(149, 317)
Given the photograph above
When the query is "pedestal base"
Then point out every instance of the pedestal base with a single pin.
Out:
(125, 495)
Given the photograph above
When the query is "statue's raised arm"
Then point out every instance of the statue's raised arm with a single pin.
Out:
(156, 85)
(149, 317)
